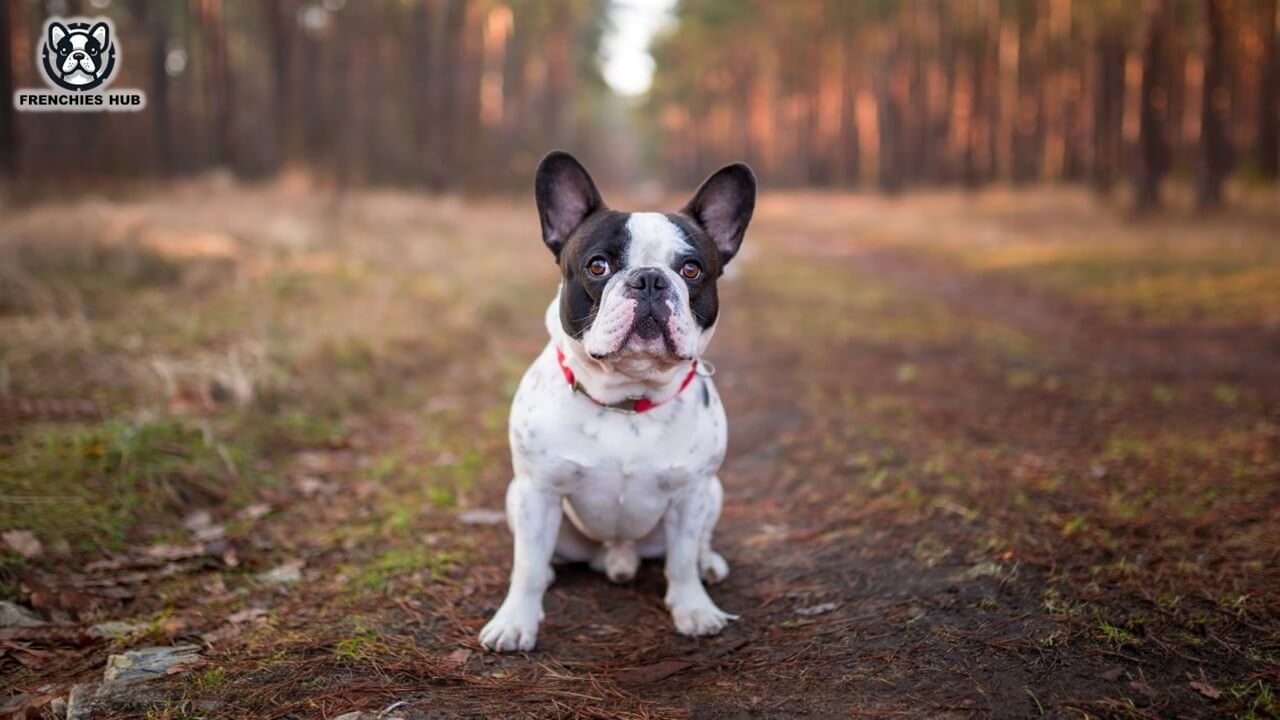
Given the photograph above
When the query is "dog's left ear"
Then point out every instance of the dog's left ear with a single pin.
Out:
(566, 196)
(57, 31)
(100, 33)
(723, 207)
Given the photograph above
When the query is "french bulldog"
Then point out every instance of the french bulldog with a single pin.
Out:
(616, 430)
(79, 52)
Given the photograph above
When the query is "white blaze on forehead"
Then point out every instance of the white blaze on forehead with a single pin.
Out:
(655, 240)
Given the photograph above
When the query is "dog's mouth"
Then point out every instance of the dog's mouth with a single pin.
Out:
(650, 335)
(79, 75)
(638, 329)
(648, 328)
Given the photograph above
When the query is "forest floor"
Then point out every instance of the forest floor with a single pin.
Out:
(992, 455)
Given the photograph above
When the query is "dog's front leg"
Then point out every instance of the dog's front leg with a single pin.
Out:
(691, 607)
(534, 516)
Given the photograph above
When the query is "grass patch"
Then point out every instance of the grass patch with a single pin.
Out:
(363, 644)
(100, 485)
(418, 563)
(210, 679)
(1116, 635)
(1255, 700)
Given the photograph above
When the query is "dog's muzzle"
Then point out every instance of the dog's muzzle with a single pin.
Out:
(651, 289)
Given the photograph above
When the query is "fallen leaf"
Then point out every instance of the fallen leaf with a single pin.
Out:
(651, 673)
(28, 656)
(817, 609)
(23, 542)
(1113, 674)
(455, 658)
(482, 517)
(112, 629)
(1143, 688)
(247, 615)
(286, 574)
(311, 486)
(1206, 689)
(165, 551)
(255, 511)
(197, 520)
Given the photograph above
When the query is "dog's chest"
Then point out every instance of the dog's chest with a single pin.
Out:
(618, 470)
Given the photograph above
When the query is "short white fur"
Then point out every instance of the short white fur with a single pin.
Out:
(599, 486)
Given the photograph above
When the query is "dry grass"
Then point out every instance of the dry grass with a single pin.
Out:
(1021, 451)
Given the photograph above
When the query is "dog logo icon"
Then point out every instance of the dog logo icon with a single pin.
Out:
(79, 55)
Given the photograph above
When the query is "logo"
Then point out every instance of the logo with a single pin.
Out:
(78, 58)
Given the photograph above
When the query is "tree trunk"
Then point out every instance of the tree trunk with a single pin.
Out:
(890, 123)
(423, 125)
(556, 116)
(8, 117)
(1108, 110)
(1215, 145)
(157, 15)
(848, 157)
(281, 25)
(219, 78)
(1153, 141)
(1028, 128)
(1269, 100)
(444, 172)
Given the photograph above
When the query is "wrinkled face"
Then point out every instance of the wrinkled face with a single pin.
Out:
(640, 284)
(78, 51)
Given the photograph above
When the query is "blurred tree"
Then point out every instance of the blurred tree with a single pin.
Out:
(1108, 117)
(1153, 140)
(1269, 96)
(8, 119)
(156, 16)
(1215, 145)
(280, 18)
(218, 80)
(466, 94)
(919, 92)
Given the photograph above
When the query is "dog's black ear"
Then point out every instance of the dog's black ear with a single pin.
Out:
(100, 33)
(566, 196)
(57, 31)
(723, 207)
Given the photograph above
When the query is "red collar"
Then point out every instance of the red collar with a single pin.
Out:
(635, 405)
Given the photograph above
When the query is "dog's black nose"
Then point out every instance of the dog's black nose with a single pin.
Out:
(648, 280)
(77, 56)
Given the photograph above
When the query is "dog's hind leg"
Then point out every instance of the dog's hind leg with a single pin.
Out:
(711, 566)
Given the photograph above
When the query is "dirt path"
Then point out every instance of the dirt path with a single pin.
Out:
(937, 505)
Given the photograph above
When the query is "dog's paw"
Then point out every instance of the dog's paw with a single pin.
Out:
(513, 627)
(697, 616)
(712, 567)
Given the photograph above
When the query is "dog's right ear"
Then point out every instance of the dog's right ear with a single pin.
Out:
(566, 196)
(57, 31)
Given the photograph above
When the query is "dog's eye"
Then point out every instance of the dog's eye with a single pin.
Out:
(93, 51)
(598, 266)
(691, 270)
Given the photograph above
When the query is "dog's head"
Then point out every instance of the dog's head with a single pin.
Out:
(79, 51)
(640, 288)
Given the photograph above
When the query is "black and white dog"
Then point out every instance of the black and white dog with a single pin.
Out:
(79, 52)
(616, 430)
